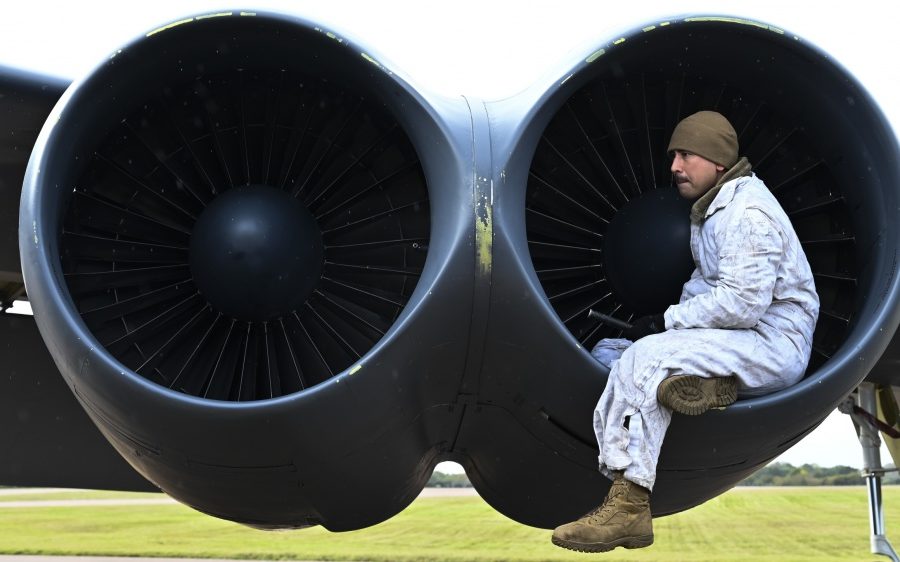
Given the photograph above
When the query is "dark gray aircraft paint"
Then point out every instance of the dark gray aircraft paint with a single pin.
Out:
(284, 283)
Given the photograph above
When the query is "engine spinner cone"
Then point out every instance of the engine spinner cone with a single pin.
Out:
(256, 253)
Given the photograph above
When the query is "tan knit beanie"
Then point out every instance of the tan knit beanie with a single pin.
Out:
(707, 134)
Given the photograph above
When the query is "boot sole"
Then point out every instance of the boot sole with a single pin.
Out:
(625, 542)
(692, 395)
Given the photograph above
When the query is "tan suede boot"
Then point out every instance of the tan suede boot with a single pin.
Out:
(692, 395)
(623, 520)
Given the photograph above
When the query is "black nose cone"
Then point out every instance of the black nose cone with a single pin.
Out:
(647, 250)
(256, 253)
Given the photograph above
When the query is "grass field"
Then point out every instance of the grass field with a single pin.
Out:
(746, 524)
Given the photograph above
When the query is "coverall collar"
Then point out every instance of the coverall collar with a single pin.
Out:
(722, 194)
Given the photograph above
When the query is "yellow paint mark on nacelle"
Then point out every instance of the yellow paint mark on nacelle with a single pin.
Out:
(484, 233)
(216, 15)
(169, 26)
(595, 55)
(741, 21)
(371, 60)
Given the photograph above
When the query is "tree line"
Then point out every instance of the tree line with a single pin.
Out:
(776, 474)
(785, 474)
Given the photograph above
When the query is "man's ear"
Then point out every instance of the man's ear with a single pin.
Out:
(720, 168)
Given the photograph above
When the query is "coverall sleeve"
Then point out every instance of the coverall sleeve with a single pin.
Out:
(694, 286)
(750, 251)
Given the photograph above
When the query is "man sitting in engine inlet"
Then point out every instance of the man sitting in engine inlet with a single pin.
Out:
(744, 323)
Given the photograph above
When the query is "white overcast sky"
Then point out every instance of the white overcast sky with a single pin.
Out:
(481, 48)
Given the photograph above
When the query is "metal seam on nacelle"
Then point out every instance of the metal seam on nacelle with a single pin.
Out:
(482, 245)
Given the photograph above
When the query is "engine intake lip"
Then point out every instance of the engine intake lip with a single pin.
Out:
(124, 168)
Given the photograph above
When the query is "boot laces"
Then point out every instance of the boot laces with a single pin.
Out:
(618, 488)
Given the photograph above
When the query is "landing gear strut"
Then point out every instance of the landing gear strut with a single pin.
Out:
(863, 416)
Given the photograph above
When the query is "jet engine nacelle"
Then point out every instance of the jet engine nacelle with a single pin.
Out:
(285, 284)
(245, 253)
(586, 217)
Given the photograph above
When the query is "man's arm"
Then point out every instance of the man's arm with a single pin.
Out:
(749, 256)
(694, 286)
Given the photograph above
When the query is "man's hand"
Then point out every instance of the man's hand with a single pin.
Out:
(644, 326)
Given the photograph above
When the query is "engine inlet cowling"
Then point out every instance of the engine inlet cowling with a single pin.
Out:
(229, 256)
(588, 221)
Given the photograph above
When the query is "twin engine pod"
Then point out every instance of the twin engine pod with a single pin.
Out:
(284, 283)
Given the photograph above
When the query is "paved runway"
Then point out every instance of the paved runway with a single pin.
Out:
(29, 491)
(161, 500)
